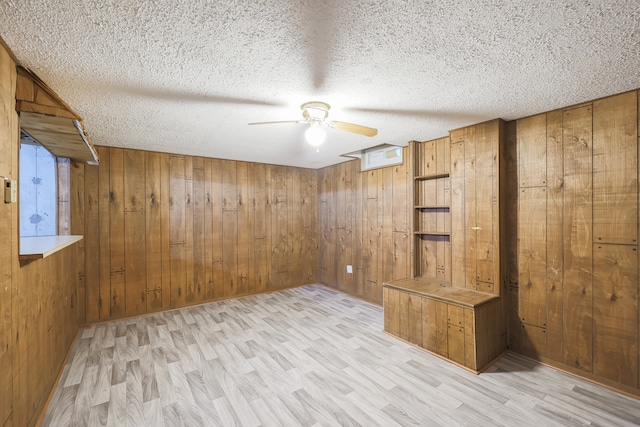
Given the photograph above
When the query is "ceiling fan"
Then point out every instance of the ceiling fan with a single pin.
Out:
(315, 114)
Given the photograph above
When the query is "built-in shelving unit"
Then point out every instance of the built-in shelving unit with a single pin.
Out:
(432, 216)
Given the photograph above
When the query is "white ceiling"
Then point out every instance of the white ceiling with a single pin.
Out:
(186, 76)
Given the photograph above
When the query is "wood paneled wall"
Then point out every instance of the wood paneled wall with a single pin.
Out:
(365, 221)
(38, 311)
(577, 226)
(165, 231)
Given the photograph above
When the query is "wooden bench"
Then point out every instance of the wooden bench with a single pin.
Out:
(458, 324)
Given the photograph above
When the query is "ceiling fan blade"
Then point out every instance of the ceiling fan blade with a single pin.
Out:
(278, 122)
(350, 127)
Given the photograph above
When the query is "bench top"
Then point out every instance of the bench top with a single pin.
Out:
(441, 290)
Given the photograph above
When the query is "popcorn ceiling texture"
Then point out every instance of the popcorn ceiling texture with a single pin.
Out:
(186, 76)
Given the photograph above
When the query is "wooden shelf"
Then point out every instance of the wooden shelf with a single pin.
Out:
(42, 246)
(431, 233)
(433, 176)
(431, 207)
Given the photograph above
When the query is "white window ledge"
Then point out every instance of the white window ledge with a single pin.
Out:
(43, 246)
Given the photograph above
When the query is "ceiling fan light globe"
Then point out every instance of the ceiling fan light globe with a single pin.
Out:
(315, 135)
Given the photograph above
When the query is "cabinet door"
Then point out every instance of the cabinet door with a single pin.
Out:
(455, 315)
(391, 314)
(441, 326)
(415, 319)
(403, 314)
(429, 325)
(455, 339)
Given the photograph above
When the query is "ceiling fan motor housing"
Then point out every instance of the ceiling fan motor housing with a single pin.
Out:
(315, 110)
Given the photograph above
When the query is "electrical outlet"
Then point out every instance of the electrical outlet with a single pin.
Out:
(10, 190)
(349, 269)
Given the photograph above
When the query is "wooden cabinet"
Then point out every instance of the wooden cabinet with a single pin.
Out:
(456, 245)
(445, 320)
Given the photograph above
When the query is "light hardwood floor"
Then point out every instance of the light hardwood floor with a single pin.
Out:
(307, 356)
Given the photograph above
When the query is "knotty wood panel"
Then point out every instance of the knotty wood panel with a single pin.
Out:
(532, 151)
(578, 307)
(229, 233)
(403, 315)
(615, 169)
(458, 242)
(532, 256)
(200, 263)
(470, 212)
(208, 291)
(392, 311)
(364, 220)
(134, 180)
(442, 345)
(486, 197)
(216, 208)
(91, 244)
(245, 227)
(429, 324)
(8, 248)
(555, 245)
(135, 262)
(188, 235)
(104, 261)
(117, 231)
(153, 221)
(615, 313)
(177, 198)
(455, 343)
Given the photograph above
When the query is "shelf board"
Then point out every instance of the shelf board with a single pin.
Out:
(431, 233)
(431, 207)
(42, 246)
(432, 176)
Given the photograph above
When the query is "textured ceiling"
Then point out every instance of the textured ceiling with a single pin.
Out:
(186, 76)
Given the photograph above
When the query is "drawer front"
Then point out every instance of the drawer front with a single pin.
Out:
(455, 316)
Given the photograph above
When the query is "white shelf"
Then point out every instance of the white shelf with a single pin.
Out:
(43, 246)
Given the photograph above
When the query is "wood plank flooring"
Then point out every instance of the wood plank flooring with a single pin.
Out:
(307, 356)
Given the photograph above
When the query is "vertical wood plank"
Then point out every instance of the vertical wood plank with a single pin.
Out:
(245, 227)
(414, 331)
(199, 204)
(208, 229)
(391, 303)
(554, 261)
(92, 244)
(134, 180)
(135, 262)
(429, 325)
(442, 345)
(386, 205)
(615, 313)
(261, 246)
(403, 315)
(470, 209)
(486, 200)
(532, 151)
(165, 232)
(104, 203)
(229, 229)
(117, 231)
(178, 229)
(532, 256)
(189, 284)
(153, 225)
(615, 169)
(217, 219)
(577, 234)
(470, 338)
(177, 198)
(458, 271)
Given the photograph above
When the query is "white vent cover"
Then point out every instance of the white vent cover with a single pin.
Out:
(378, 157)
